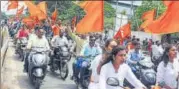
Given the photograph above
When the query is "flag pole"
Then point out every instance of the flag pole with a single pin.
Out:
(56, 5)
(115, 19)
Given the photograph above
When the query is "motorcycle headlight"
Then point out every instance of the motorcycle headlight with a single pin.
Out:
(150, 77)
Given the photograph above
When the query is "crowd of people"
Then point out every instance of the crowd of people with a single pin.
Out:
(111, 56)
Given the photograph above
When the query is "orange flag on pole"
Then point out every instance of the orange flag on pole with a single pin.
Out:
(94, 19)
(20, 11)
(43, 7)
(148, 17)
(166, 3)
(123, 32)
(12, 5)
(35, 11)
(168, 21)
(54, 15)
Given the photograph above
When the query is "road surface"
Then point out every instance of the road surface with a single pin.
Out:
(15, 78)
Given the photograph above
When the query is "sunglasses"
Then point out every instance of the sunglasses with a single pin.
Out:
(112, 46)
(122, 55)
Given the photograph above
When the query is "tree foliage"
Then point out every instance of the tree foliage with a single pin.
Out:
(3, 15)
(109, 16)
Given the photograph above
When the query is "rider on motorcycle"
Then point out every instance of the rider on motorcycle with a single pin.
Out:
(117, 68)
(135, 55)
(58, 40)
(23, 32)
(89, 49)
(37, 41)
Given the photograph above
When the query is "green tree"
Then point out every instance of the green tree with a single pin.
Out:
(3, 15)
(109, 16)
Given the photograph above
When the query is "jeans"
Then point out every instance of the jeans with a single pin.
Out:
(83, 69)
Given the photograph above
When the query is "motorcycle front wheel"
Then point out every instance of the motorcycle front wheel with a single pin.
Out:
(63, 70)
(38, 83)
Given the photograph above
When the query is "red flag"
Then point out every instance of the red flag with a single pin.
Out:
(94, 18)
(168, 21)
(54, 15)
(12, 5)
(123, 32)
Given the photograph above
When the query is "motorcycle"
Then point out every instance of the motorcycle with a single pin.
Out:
(144, 71)
(84, 80)
(114, 82)
(22, 46)
(156, 61)
(60, 61)
(37, 66)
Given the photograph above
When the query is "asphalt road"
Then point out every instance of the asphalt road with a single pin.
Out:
(14, 78)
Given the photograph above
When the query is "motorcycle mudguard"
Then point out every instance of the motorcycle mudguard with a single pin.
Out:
(38, 72)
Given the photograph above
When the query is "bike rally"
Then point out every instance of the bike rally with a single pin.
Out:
(89, 44)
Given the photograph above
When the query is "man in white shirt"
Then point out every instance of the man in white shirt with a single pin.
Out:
(59, 40)
(157, 50)
(36, 41)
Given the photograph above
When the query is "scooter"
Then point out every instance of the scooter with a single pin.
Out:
(144, 71)
(37, 66)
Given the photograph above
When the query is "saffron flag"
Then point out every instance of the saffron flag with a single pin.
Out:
(148, 17)
(168, 22)
(12, 5)
(93, 20)
(35, 11)
(43, 7)
(166, 3)
(20, 11)
(123, 32)
(54, 15)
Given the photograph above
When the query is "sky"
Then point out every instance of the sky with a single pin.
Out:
(4, 5)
